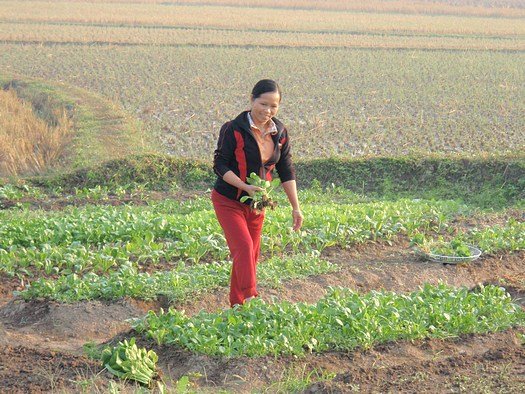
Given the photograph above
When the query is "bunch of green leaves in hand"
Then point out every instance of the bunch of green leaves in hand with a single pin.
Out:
(261, 199)
(129, 362)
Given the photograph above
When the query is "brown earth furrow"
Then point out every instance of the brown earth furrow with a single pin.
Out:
(430, 365)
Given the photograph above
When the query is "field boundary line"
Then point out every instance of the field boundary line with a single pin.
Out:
(251, 46)
(380, 33)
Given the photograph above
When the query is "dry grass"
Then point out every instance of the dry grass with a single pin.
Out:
(247, 18)
(29, 145)
(83, 34)
(506, 8)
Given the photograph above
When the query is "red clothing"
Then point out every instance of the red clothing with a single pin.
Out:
(238, 150)
(242, 228)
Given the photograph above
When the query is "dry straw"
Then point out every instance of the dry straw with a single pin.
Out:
(28, 144)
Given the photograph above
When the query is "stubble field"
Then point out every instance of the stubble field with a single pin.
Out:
(350, 303)
(368, 83)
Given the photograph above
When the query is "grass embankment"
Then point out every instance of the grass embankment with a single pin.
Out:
(97, 129)
(491, 181)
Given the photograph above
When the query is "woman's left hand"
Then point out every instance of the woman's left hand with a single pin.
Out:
(297, 219)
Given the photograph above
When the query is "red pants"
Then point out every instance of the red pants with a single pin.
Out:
(242, 228)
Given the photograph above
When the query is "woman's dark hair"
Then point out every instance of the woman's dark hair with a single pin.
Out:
(265, 86)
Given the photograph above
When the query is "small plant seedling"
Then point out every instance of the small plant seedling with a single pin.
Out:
(262, 198)
(92, 351)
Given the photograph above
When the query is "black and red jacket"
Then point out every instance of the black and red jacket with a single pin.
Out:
(238, 151)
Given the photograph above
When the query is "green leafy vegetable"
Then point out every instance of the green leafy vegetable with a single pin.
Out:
(342, 320)
(127, 361)
(261, 199)
(455, 248)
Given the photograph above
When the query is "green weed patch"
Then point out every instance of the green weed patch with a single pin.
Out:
(493, 181)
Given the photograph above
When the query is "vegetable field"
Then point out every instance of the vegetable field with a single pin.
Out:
(352, 280)
(407, 130)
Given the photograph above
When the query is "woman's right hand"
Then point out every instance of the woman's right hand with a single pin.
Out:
(251, 189)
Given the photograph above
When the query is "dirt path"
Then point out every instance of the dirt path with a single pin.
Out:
(103, 130)
(24, 369)
(108, 130)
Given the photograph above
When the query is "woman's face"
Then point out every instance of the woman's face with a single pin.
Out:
(264, 107)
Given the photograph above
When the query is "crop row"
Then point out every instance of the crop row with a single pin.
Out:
(176, 285)
(362, 102)
(342, 320)
(494, 239)
(509, 237)
(11, 191)
(101, 238)
(507, 8)
(247, 18)
(78, 259)
(16, 192)
(80, 34)
(98, 225)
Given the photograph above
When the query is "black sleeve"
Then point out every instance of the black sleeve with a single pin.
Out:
(225, 150)
(284, 166)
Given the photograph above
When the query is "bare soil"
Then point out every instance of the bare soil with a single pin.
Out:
(28, 370)
(479, 362)
(41, 342)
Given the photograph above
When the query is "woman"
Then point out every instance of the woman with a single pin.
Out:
(255, 141)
